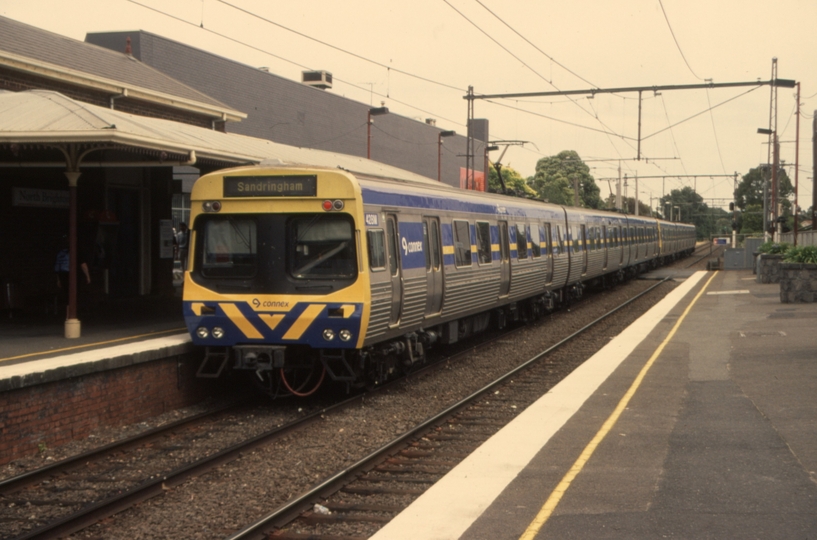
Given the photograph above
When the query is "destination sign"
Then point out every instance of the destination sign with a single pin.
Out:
(271, 186)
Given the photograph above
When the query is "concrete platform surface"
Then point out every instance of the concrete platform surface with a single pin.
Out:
(699, 421)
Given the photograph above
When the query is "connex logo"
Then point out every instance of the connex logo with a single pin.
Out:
(411, 247)
(269, 304)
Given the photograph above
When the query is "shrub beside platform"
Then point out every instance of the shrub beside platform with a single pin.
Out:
(798, 282)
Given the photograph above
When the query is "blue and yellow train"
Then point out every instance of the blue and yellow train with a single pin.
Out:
(301, 274)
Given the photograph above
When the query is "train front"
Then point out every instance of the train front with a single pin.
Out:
(274, 284)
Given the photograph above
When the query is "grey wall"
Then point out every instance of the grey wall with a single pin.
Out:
(292, 113)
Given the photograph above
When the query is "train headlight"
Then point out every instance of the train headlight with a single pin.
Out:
(211, 206)
(337, 204)
(202, 332)
(345, 335)
(327, 205)
(218, 332)
(328, 334)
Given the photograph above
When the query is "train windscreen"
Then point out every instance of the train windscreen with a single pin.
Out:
(275, 253)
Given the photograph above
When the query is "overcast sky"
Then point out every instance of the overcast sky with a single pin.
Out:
(419, 57)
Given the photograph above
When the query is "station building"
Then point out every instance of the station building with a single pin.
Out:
(110, 134)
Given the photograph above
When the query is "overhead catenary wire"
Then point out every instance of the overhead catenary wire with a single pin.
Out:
(675, 39)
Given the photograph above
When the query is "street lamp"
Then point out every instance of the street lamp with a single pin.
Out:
(772, 212)
(376, 111)
(679, 213)
(440, 136)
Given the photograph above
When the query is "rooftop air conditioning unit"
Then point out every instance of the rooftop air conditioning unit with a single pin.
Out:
(318, 79)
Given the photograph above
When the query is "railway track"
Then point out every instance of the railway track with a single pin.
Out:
(459, 435)
(353, 503)
(113, 477)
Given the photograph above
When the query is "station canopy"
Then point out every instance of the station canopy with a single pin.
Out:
(43, 128)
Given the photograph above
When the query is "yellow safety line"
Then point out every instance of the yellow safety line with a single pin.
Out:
(556, 496)
(91, 344)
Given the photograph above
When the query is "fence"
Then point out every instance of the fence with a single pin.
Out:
(804, 238)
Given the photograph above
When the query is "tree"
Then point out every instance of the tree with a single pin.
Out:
(692, 210)
(750, 190)
(515, 184)
(628, 205)
(555, 176)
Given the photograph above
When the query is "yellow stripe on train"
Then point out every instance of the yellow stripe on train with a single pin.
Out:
(307, 317)
(238, 319)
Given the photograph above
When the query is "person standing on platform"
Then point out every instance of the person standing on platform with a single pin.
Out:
(62, 269)
(182, 241)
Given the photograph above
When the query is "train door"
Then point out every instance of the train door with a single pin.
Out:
(604, 246)
(583, 247)
(434, 271)
(622, 242)
(548, 239)
(394, 269)
(504, 259)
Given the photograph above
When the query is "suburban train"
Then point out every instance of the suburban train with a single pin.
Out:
(300, 274)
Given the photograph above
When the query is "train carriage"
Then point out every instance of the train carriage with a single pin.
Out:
(299, 273)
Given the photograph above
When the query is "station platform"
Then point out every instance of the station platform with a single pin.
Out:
(698, 421)
(34, 350)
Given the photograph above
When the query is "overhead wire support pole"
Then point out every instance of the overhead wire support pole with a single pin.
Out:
(638, 153)
(783, 83)
(774, 83)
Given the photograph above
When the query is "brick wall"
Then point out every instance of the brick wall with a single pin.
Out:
(56, 413)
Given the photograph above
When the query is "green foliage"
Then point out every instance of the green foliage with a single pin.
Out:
(774, 248)
(751, 219)
(555, 177)
(801, 254)
(694, 210)
(628, 205)
(515, 184)
(750, 190)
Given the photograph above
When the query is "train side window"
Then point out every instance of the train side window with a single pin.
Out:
(377, 249)
(603, 236)
(483, 242)
(462, 243)
(632, 235)
(521, 242)
(535, 241)
(558, 243)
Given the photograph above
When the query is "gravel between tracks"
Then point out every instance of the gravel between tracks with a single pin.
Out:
(219, 503)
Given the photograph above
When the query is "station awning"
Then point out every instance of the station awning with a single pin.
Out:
(39, 119)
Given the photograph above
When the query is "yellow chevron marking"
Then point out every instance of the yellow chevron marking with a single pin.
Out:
(299, 327)
(238, 318)
(271, 319)
(348, 310)
(448, 250)
(196, 307)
